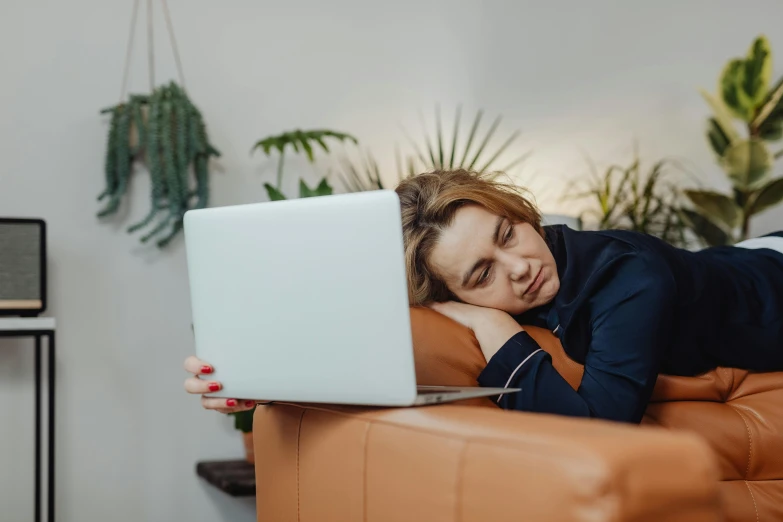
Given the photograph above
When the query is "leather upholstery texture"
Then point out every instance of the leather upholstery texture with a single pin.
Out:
(709, 448)
(460, 463)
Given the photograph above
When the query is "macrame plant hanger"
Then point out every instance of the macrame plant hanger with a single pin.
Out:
(164, 130)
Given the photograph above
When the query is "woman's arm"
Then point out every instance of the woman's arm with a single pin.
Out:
(631, 327)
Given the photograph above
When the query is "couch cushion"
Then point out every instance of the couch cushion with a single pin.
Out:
(738, 413)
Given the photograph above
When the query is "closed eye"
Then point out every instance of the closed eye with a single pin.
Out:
(483, 277)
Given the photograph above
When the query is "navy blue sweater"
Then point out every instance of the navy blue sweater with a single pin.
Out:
(631, 306)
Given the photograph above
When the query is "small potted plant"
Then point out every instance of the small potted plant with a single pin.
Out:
(243, 421)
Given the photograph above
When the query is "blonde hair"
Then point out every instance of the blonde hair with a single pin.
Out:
(429, 202)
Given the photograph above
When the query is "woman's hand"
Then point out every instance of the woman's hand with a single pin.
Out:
(491, 327)
(197, 385)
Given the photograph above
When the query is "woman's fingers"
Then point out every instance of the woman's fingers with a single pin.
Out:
(196, 385)
(201, 385)
(196, 366)
(229, 405)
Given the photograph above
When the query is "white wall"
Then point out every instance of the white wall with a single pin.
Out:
(571, 74)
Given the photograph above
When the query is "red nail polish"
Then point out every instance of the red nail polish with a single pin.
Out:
(214, 386)
(249, 403)
(206, 369)
(231, 402)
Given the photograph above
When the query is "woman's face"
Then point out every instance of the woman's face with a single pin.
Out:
(488, 261)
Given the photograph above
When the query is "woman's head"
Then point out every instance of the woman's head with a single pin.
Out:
(474, 239)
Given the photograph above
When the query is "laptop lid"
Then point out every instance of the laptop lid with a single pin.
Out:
(303, 300)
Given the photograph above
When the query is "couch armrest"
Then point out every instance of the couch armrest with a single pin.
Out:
(447, 462)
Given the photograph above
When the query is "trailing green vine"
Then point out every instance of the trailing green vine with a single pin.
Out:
(166, 131)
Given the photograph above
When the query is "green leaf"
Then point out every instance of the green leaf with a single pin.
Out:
(243, 420)
(747, 163)
(293, 140)
(434, 152)
(274, 194)
(768, 196)
(772, 130)
(297, 138)
(771, 109)
(439, 131)
(454, 137)
(711, 233)
(757, 73)
(484, 143)
(471, 135)
(731, 82)
(717, 138)
(322, 189)
(321, 142)
(721, 116)
(306, 146)
(500, 151)
(719, 208)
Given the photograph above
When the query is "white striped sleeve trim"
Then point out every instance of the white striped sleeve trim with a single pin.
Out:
(515, 372)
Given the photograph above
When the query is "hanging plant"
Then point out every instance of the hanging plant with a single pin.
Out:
(165, 131)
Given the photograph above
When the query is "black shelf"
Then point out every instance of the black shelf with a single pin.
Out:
(235, 477)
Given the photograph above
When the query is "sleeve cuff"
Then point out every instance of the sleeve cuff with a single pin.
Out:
(507, 360)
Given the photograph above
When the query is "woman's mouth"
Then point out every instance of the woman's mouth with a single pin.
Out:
(536, 284)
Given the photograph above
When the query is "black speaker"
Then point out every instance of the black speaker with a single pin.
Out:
(22, 266)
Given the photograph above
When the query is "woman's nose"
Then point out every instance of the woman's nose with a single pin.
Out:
(518, 268)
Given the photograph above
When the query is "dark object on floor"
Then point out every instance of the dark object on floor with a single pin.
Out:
(235, 477)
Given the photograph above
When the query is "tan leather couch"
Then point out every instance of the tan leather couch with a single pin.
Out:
(709, 448)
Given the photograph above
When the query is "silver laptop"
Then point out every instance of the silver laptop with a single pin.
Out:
(305, 300)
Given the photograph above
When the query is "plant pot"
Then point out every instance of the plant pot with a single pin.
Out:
(247, 438)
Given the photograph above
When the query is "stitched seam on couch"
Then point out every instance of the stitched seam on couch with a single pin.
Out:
(755, 506)
(750, 441)
(364, 480)
(755, 482)
(499, 442)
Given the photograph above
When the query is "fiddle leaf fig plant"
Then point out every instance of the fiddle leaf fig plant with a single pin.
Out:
(746, 100)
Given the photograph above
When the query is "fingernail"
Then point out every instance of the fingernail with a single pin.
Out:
(231, 402)
(213, 386)
(249, 403)
(206, 369)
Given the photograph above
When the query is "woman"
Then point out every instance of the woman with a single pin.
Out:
(625, 305)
